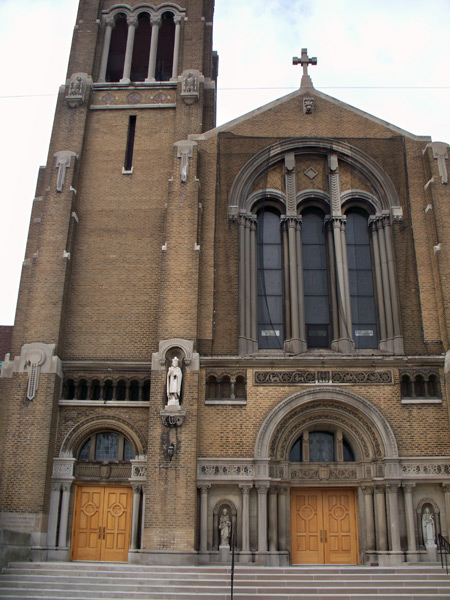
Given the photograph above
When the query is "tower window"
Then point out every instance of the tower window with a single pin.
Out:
(128, 165)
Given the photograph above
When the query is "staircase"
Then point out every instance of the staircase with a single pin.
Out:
(83, 580)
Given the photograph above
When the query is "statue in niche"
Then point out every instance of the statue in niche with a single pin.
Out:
(225, 528)
(174, 378)
(190, 84)
(76, 86)
(428, 527)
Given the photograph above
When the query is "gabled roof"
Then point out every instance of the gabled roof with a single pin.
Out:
(308, 91)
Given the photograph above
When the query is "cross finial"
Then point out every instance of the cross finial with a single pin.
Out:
(304, 60)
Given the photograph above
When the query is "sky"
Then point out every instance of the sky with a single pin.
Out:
(386, 57)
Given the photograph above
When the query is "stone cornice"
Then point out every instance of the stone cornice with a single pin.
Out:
(324, 360)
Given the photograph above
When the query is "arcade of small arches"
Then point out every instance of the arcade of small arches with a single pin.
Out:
(141, 44)
(420, 385)
(225, 386)
(106, 389)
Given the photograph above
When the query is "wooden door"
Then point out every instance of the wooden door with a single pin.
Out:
(102, 523)
(323, 527)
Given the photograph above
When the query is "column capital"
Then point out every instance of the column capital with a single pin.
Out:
(262, 488)
(137, 488)
(393, 487)
(446, 487)
(156, 21)
(408, 487)
(379, 488)
(283, 489)
(132, 21)
(204, 487)
(109, 22)
(273, 490)
(245, 488)
(367, 489)
(177, 20)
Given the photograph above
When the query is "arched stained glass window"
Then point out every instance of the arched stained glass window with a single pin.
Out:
(362, 298)
(270, 283)
(315, 278)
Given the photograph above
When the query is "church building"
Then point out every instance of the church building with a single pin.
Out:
(225, 337)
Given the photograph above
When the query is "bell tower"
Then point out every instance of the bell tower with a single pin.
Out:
(110, 277)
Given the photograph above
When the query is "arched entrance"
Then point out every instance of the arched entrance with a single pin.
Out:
(327, 446)
(98, 480)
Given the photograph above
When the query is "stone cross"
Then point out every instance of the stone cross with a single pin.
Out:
(304, 60)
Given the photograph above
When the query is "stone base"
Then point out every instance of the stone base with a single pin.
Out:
(384, 559)
(431, 553)
(224, 554)
(14, 546)
(58, 554)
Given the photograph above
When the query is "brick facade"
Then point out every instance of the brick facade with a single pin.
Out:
(124, 271)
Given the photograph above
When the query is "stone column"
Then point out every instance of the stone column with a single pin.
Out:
(132, 22)
(393, 516)
(369, 517)
(156, 24)
(273, 519)
(62, 538)
(135, 515)
(245, 490)
(398, 340)
(446, 488)
(110, 23)
(409, 514)
(53, 513)
(378, 278)
(380, 517)
(262, 516)
(204, 517)
(253, 287)
(176, 48)
(282, 512)
(301, 291)
(242, 275)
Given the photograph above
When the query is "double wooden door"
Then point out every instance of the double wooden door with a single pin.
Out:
(323, 526)
(102, 523)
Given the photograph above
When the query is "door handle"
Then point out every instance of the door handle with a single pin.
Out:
(99, 533)
(104, 529)
(321, 536)
(326, 536)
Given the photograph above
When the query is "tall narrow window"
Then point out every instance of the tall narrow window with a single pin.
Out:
(166, 40)
(315, 277)
(364, 321)
(128, 165)
(114, 70)
(270, 289)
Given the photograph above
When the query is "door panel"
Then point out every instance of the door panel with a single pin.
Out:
(340, 526)
(102, 523)
(323, 527)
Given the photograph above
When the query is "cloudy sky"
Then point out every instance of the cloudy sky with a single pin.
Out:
(387, 57)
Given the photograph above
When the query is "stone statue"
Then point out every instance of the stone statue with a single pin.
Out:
(428, 528)
(225, 528)
(174, 378)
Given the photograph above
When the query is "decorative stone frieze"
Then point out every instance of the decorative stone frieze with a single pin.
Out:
(323, 472)
(225, 469)
(299, 377)
(427, 468)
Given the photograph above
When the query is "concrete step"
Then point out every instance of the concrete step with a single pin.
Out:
(89, 581)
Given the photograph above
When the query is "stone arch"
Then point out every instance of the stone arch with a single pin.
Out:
(385, 195)
(362, 422)
(83, 430)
